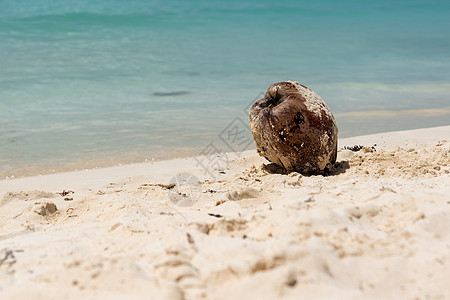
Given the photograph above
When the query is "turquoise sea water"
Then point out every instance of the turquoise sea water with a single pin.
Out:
(86, 83)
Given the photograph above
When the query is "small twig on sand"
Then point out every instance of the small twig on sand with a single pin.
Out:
(190, 239)
(9, 257)
(161, 185)
(215, 215)
(65, 193)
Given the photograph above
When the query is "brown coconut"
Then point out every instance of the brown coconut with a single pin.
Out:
(294, 128)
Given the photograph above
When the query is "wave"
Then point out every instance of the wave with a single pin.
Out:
(76, 20)
(183, 12)
(403, 88)
(431, 112)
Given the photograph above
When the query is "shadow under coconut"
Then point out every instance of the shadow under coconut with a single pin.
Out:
(339, 167)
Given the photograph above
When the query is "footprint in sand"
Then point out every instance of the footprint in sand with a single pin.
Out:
(182, 272)
(25, 196)
(242, 193)
(45, 209)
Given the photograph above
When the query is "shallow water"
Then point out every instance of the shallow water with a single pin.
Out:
(90, 83)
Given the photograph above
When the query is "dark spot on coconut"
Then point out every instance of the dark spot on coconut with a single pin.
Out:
(299, 118)
(297, 121)
(274, 101)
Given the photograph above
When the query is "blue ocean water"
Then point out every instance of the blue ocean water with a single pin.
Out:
(86, 83)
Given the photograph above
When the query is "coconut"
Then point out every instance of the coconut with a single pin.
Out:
(294, 128)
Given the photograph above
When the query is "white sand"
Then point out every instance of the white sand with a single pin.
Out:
(379, 228)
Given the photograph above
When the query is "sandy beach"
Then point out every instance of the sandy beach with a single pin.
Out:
(378, 227)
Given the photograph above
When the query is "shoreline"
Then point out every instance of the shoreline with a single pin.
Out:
(92, 164)
(109, 163)
(376, 228)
